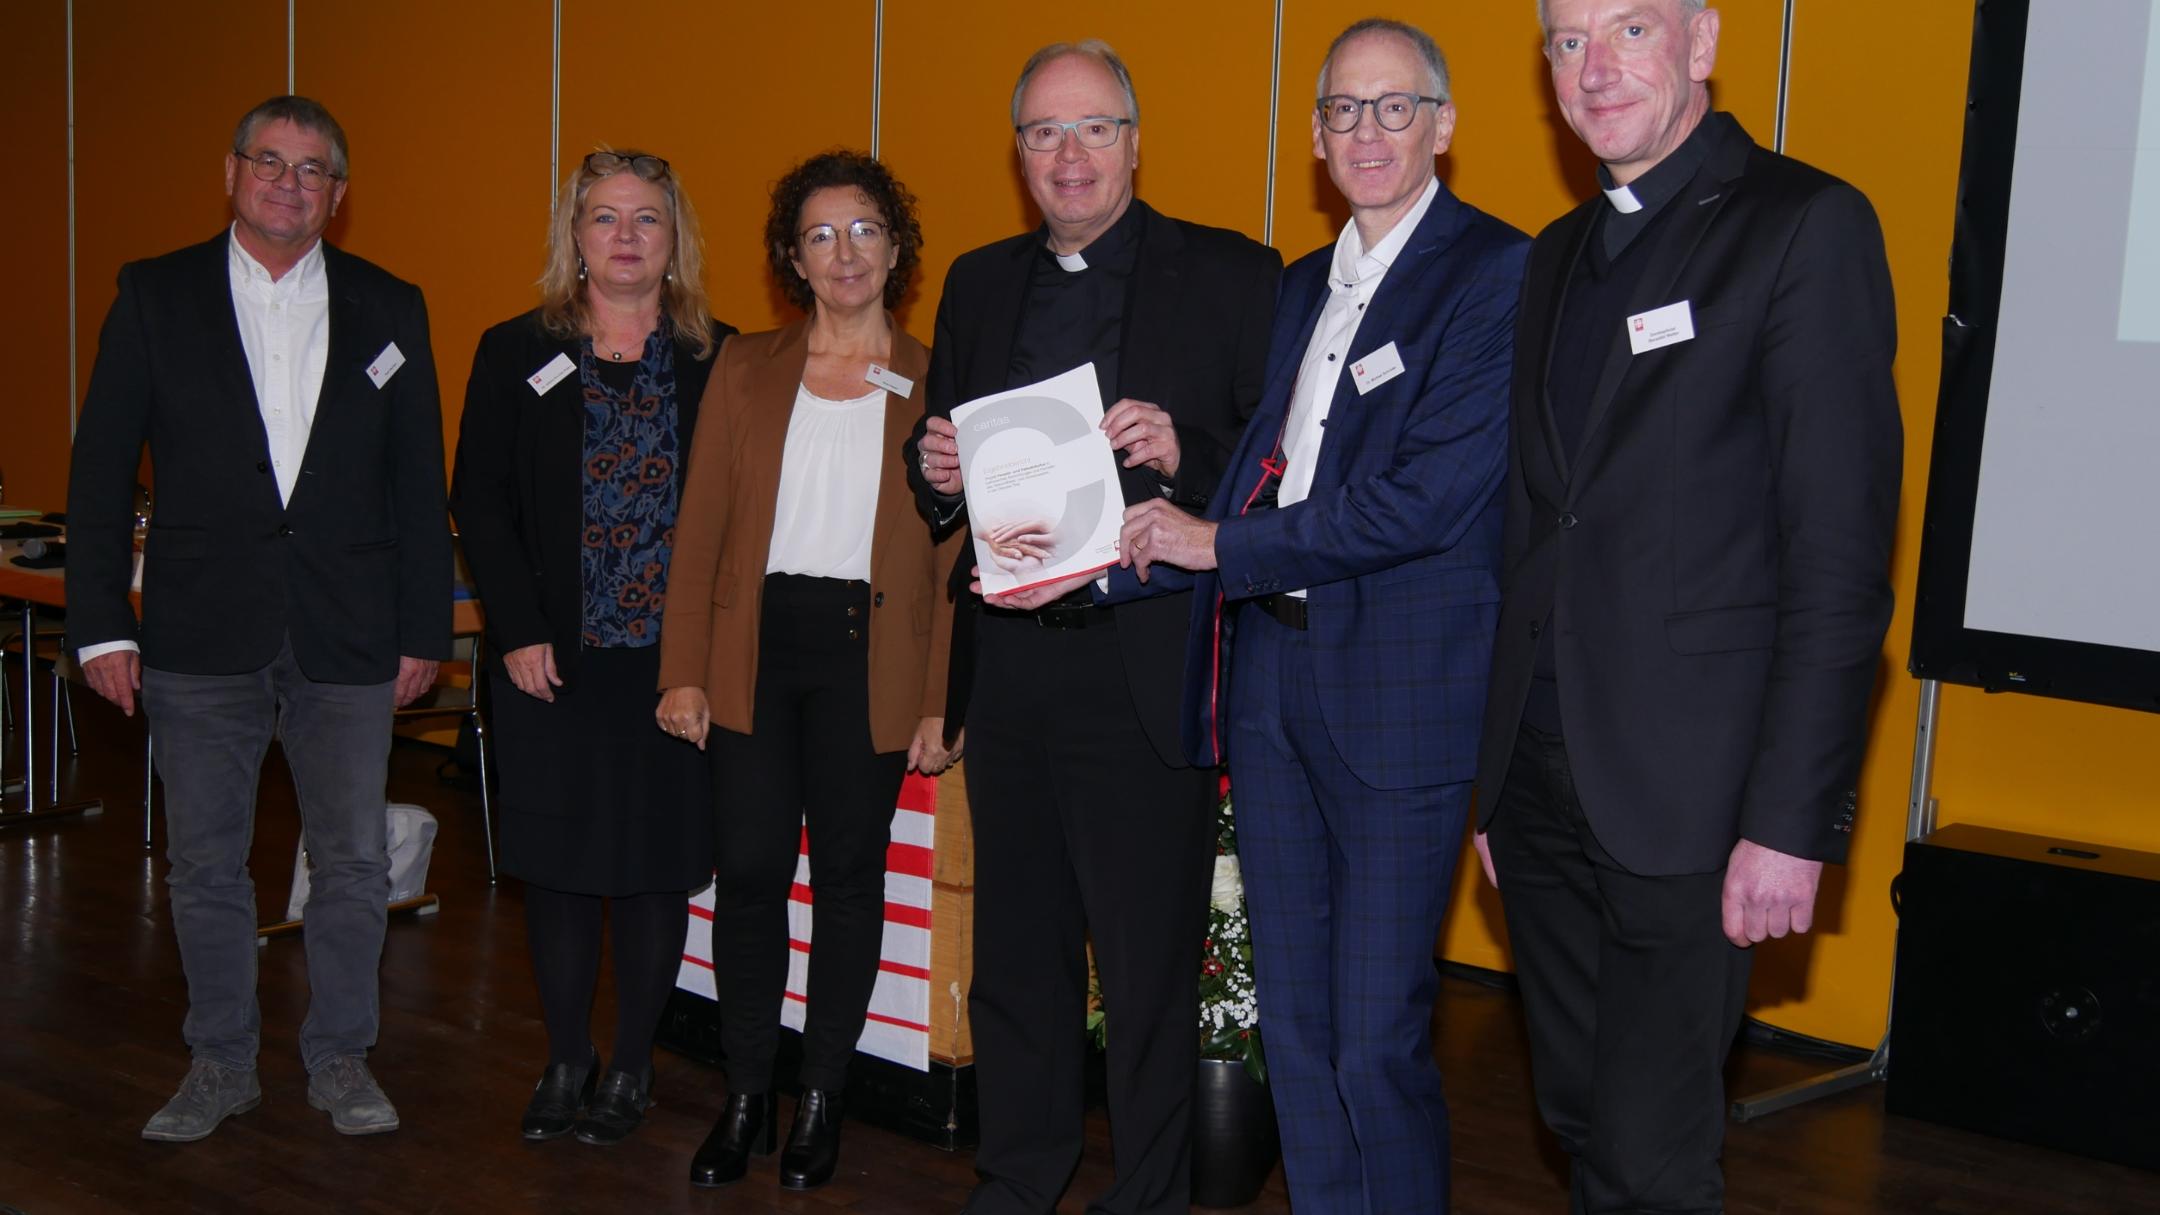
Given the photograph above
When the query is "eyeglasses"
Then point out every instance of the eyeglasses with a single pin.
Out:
(1046, 136)
(650, 168)
(824, 238)
(1393, 111)
(269, 166)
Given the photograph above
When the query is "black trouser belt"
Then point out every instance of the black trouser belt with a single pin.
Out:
(1062, 615)
(1289, 609)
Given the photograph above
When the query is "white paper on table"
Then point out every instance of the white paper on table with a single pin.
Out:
(1041, 481)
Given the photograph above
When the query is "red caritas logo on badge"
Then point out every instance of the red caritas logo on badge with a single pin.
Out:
(1638, 324)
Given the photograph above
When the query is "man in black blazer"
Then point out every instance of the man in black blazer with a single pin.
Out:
(1089, 823)
(295, 583)
(1695, 590)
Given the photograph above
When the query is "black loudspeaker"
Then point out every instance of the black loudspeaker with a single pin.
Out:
(2028, 992)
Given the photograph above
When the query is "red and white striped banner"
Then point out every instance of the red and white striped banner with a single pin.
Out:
(898, 1027)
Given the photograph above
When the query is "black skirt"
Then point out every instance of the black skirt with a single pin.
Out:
(596, 798)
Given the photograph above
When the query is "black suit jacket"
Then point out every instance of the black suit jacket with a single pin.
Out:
(518, 489)
(1194, 341)
(1714, 559)
(355, 570)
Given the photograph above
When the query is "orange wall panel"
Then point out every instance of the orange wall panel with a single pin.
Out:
(33, 94)
(449, 154)
(745, 93)
(157, 92)
(1201, 73)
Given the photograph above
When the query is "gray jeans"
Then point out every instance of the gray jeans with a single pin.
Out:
(210, 734)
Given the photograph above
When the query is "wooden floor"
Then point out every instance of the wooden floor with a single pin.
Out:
(92, 997)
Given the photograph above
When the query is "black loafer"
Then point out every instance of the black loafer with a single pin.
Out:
(748, 1122)
(616, 1109)
(813, 1143)
(563, 1091)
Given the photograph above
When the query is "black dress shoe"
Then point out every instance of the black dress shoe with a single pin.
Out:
(616, 1109)
(563, 1091)
(748, 1122)
(813, 1143)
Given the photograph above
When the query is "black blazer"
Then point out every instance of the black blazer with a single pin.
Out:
(1194, 341)
(1715, 558)
(356, 570)
(518, 489)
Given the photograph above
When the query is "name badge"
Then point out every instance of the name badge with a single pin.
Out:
(1376, 368)
(385, 364)
(551, 375)
(891, 381)
(1672, 324)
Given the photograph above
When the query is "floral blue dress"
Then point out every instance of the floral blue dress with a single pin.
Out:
(631, 451)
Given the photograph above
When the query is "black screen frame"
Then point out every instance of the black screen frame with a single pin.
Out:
(1942, 647)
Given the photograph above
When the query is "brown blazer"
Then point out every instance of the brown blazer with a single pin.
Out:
(723, 534)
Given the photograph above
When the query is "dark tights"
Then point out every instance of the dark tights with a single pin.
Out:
(563, 932)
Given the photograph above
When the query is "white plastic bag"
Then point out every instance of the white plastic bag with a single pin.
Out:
(412, 842)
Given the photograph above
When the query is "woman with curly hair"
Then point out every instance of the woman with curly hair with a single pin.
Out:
(805, 642)
(569, 480)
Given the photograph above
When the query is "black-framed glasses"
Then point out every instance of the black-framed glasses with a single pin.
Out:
(824, 238)
(1099, 131)
(1340, 112)
(648, 167)
(269, 166)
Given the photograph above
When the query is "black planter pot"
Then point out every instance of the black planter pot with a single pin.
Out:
(1235, 1140)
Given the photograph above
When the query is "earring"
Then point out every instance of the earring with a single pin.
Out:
(667, 277)
(581, 268)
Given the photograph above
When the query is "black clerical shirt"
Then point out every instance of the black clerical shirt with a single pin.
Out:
(1593, 316)
(1073, 315)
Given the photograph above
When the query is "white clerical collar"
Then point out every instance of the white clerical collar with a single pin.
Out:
(1070, 263)
(1623, 200)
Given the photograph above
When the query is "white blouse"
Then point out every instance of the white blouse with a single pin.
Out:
(829, 474)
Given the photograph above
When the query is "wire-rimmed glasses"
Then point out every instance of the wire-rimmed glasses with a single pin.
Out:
(269, 166)
(1097, 131)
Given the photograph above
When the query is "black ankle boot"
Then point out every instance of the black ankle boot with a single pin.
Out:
(616, 1108)
(748, 1122)
(562, 1093)
(813, 1143)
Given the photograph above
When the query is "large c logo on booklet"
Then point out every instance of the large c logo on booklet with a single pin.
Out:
(1013, 441)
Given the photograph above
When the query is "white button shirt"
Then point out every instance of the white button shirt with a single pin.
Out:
(1353, 280)
(285, 330)
(285, 333)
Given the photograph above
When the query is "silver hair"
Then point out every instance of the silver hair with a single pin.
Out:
(1688, 10)
(304, 112)
(1093, 48)
(1419, 40)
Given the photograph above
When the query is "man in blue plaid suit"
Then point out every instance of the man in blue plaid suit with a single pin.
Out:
(1352, 553)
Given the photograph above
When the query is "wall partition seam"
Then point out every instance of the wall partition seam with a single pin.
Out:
(877, 74)
(555, 108)
(290, 77)
(1784, 77)
(1274, 103)
(73, 323)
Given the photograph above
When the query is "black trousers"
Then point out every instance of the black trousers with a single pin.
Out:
(1632, 994)
(1081, 833)
(807, 763)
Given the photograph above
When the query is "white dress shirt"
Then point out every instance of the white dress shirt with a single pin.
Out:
(1353, 280)
(829, 472)
(285, 330)
(285, 334)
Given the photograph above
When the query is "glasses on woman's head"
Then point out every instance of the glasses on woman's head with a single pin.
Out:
(824, 238)
(269, 166)
(603, 164)
(1393, 111)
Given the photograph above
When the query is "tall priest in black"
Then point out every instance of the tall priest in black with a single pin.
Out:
(1700, 509)
(1089, 825)
(296, 584)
